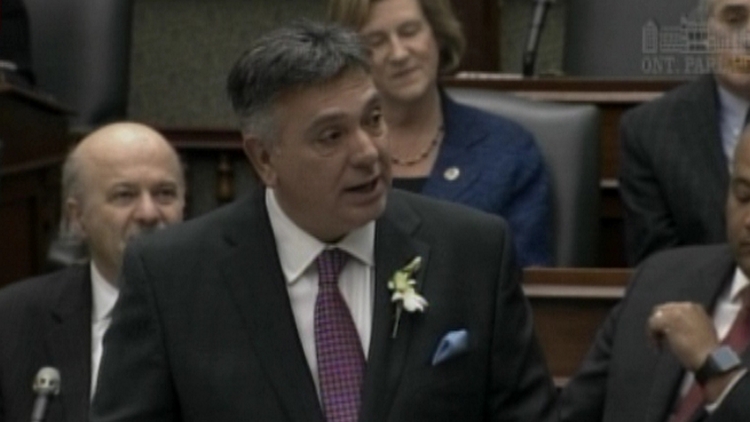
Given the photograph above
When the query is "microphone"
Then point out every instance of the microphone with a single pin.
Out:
(46, 386)
(535, 30)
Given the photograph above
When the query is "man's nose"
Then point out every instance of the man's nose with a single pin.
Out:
(366, 149)
(147, 210)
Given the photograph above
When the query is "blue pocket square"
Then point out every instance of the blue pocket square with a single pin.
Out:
(452, 344)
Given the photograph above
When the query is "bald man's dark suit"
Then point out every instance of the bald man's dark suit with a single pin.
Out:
(204, 329)
(46, 321)
(673, 172)
(624, 378)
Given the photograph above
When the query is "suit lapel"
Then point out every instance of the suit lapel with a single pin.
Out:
(701, 287)
(394, 248)
(253, 274)
(68, 343)
(461, 133)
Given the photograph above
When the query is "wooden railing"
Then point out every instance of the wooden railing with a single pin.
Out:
(569, 305)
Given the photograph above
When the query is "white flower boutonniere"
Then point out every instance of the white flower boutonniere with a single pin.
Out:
(406, 298)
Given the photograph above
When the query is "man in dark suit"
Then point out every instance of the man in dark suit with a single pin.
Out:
(676, 150)
(695, 303)
(121, 181)
(231, 317)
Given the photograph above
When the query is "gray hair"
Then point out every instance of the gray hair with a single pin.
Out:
(72, 182)
(300, 55)
(69, 247)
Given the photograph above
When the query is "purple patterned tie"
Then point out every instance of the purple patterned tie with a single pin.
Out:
(341, 362)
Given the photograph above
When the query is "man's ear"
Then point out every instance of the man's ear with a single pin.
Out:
(73, 218)
(259, 155)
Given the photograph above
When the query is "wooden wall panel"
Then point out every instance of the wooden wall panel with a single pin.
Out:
(480, 19)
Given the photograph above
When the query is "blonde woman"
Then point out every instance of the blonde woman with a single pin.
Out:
(441, 148)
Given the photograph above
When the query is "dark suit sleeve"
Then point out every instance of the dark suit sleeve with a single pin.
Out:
(735, 406)
(649, 224)
(521, 388)
(134, 381)
(582, 400)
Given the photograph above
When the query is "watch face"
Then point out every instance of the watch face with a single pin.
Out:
(722, 360)
(725, 359)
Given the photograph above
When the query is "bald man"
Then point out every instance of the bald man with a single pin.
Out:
(121, 181)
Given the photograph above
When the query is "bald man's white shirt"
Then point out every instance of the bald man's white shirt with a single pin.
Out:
(104, 296)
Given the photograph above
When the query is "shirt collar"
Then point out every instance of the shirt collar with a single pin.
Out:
(298, 249)
(104, 295)
(739, 283)
(733, 106)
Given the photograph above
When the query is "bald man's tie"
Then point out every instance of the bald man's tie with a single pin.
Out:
(341, 361)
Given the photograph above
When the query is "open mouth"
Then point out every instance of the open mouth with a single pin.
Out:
(364, 188)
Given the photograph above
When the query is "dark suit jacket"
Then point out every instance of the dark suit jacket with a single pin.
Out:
(46, 321)
(204, 330)
(501, 172)
(624, 378)
(674, 175)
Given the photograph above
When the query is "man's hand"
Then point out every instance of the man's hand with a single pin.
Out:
(689, 332)
(686, 329)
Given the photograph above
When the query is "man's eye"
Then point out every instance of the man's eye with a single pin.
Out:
(329, 137)
(328, 141)
(165, 195)
(735, 16)
(121, 197)
(735, 20)
(376, 118)
(741, 192)
(375, 122)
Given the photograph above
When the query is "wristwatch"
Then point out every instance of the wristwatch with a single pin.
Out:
(719, 362)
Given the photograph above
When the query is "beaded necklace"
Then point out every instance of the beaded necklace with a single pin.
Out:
(424, 154)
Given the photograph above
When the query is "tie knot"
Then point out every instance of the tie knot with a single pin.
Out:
(330, 263)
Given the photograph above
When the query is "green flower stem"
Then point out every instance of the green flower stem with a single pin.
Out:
(399, 308)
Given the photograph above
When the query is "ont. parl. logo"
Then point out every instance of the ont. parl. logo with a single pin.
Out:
(687, 48)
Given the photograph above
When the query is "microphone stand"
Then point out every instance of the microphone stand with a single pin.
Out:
(535, 31)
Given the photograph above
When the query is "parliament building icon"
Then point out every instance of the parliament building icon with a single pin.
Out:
(691, 36)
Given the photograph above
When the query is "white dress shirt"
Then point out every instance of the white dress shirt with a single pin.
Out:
(104, 296)
(732, 112)
(297, 252)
